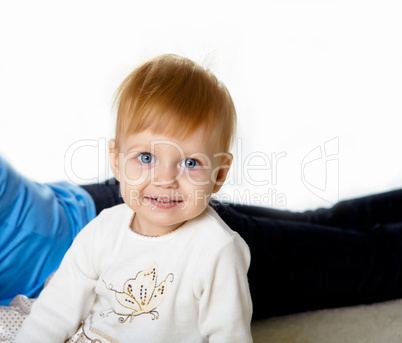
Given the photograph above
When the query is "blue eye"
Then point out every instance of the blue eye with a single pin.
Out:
(146, 158)
(190, 163)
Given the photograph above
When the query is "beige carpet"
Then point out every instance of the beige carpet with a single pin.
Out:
(377, 323)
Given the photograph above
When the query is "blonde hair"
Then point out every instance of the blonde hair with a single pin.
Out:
(173, 95)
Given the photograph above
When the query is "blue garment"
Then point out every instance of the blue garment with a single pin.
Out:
(38, 223)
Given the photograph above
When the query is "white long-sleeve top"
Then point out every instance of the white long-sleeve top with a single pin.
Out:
(188, 286)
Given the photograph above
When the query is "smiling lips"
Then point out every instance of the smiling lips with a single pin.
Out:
(163, 203)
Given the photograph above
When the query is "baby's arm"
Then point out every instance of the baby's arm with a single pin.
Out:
(68, 298)
(224, 297)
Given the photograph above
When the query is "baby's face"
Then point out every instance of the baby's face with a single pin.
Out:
(167, 181)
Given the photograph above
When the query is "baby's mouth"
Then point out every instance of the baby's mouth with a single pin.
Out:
(163, 201)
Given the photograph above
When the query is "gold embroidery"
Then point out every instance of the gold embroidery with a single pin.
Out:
(141, 294)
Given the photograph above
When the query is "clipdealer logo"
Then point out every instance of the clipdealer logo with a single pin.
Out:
(320, 171)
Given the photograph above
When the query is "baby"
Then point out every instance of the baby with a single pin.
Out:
(163, 266)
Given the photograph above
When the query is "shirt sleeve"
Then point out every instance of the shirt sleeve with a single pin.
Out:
(68, 298)
(38, 223)
(221, 286)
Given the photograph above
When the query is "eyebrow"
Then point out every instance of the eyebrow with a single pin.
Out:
(138, 145)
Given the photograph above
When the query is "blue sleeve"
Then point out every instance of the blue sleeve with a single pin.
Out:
(38, 223)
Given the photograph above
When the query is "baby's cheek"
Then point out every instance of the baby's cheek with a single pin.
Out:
(198, 177)
(136, 176)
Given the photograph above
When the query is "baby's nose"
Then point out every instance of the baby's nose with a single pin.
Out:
(166, 176)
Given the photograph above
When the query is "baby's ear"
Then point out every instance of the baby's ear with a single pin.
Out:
(222, 171)
(114, 158)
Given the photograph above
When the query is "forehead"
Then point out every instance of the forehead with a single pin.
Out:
(198, 141)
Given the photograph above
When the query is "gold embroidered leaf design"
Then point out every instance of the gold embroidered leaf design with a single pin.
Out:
(142, 294)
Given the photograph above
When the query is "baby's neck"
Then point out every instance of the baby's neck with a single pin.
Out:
(148, 231)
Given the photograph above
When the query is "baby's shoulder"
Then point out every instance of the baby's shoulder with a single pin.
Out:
(213, 229)
(110, 221)
(117, 214)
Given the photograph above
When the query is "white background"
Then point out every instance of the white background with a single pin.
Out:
(310, 79)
